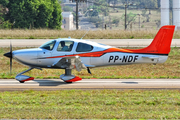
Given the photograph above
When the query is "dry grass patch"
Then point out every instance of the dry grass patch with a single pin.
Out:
(99, 34)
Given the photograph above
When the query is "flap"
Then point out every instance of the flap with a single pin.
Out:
(70, 63)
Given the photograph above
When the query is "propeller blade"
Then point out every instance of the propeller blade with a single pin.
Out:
(10, 65)
(10, 47)
(10, 58)
(10, 55)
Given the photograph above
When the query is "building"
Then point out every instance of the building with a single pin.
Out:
(67, 22)
(165, 11)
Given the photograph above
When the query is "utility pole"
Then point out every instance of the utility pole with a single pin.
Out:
(77, 1)
(126, 5)
(125, 15)
(77, 14)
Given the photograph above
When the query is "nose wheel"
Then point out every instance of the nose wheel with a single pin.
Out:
(22, 78)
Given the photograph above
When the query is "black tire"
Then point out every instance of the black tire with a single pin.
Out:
(21, 81)
(68, 82)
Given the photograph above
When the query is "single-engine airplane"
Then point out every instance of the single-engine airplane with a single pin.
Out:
(68, 54)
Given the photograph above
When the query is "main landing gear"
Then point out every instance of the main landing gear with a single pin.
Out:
(68, 77)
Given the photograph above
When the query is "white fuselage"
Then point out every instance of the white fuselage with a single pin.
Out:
(98, 56)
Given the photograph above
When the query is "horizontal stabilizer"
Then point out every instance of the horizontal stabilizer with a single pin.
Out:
(151, 57)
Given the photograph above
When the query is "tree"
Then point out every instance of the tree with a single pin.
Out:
(1, 15)
(116, 21)
(33, 13)
(100, 7)
(3, 23)
(130, 17)
(147, 16)
(149, 4)
(56, 19)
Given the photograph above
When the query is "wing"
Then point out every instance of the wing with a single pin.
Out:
(70, 63)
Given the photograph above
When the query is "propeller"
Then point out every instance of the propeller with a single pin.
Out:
(9, 55)
(10, 58)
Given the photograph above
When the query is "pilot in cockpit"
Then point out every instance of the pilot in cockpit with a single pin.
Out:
(64, 47)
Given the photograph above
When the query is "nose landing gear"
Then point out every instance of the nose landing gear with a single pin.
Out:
(22, 78)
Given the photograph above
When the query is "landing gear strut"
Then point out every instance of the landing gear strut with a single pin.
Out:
(22, 78)
(68, 77)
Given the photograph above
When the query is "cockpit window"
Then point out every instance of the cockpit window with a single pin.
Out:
(65, 46)
(83, 47)
(48, 45)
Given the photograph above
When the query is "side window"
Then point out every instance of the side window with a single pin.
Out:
(83, 47)
(65, 46)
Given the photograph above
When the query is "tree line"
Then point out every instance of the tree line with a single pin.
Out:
(30, 14)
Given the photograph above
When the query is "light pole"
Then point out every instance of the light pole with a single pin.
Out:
(77, 1)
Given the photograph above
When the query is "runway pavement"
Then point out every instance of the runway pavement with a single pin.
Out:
(111, 42)
(57, 84)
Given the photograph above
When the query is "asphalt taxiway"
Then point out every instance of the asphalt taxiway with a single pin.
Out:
(57, 84)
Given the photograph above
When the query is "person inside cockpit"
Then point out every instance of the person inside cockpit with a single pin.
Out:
(64, 47)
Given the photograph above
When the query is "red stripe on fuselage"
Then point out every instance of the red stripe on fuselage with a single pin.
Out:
(110, 50)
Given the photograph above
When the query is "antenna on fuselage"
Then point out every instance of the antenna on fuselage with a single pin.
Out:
(85, 34)
(81, 19)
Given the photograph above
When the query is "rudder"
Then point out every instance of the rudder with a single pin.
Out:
(161, 44)
(162, 41)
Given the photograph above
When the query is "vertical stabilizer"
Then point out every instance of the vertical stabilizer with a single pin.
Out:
(161, 43)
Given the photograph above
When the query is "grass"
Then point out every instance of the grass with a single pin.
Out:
(90, 104)
(99, 34)
(170, 69)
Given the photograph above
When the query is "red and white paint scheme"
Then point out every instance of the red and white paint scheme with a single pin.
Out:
(68, 54)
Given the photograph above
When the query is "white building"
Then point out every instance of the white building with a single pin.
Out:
(165, 13)
(67, 22)
(176, 14)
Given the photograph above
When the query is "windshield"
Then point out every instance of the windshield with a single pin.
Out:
(48, 45)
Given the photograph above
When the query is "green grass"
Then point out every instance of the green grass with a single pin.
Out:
(90, 104)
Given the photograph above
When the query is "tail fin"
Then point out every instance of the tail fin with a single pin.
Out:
(161, 43)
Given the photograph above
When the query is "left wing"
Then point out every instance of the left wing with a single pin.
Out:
(70, 63)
